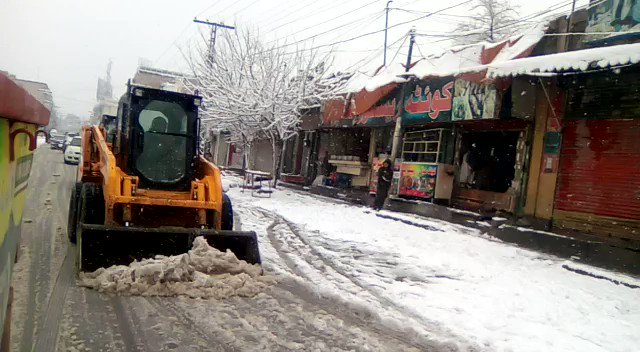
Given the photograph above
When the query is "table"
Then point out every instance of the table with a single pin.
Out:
(253, 176)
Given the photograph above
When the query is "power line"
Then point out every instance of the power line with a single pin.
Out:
(207, 8)
(332, 19)
(246, 7)
(316, 35)
(509, 24)
(370, 33)
(287, 14)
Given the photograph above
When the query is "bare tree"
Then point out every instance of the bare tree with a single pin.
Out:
(491, 21)
(258, 92)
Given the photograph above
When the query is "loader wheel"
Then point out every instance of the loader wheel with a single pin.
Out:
(72, 223)
(91, 209)
(227, 213)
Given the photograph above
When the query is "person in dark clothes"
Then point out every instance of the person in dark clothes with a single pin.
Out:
(385, 175)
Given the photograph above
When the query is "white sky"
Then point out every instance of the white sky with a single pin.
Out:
(67, 43)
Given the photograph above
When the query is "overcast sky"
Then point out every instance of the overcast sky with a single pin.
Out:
(68, 43)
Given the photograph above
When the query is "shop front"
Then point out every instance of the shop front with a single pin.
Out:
(490, 147)
(598, 188)
(424, 169)
(356, 136)
(462, 145)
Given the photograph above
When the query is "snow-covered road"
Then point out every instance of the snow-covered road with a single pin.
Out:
(439, 280)
(347, 280)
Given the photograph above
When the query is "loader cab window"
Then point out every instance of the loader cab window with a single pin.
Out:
(164, 141)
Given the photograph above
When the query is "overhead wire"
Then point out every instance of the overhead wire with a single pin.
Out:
(332, 19)
(369, 33)
(555, 7)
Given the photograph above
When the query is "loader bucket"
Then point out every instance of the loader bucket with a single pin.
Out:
(103, 246)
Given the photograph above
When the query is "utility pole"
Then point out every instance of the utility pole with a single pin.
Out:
(397, 132)
(412, 40)
(214, 31)
(386, 28)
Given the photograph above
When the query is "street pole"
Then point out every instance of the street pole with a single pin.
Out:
(212, 39)
(386, 28)
(397, 132)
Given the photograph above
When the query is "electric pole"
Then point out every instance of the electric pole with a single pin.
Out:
(214, 31)
(386, 28)
(412, 40)
(397, 131)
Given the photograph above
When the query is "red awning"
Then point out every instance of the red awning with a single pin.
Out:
(17, 104)
(365, 100)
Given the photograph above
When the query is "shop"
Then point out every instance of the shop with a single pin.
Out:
(300, 154)
(424, 169)
(356, 136)
(345, 156)
(462, 144)
(490, 146)
(598, 187)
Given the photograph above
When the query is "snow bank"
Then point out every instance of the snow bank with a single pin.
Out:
(203, 272)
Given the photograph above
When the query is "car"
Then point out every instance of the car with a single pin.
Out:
(67, 139)
(56, 141)
(73, 151)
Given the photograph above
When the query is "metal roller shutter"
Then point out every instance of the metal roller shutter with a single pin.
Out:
(599, 178)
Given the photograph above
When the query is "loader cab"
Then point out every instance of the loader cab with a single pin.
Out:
(157, 137)
(110, 124)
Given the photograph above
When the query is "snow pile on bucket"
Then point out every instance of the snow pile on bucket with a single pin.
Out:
(203, 272)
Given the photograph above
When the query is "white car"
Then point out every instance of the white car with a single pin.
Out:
(73, 151)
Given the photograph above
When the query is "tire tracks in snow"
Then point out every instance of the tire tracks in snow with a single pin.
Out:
(323, 268)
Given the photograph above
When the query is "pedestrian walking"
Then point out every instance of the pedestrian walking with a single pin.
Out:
(385, 174)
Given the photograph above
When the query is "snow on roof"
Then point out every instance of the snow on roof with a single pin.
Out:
(460, 59)
(449, 62)
(375, 80)
(573, 60)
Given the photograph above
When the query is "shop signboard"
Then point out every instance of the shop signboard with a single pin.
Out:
(418, 180)
(473, 101)
(613, 16)
(428, 101)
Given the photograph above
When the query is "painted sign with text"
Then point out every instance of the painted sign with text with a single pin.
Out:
(428, 101)
(418, 180)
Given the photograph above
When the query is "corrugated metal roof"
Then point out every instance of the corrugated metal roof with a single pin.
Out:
(580, 60)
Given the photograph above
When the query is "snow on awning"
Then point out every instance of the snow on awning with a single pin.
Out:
(579, 60)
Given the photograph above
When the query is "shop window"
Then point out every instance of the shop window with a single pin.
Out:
(424, 146)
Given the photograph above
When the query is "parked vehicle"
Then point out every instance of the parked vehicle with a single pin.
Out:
(68, 137)
(56, 141)
(73, 151)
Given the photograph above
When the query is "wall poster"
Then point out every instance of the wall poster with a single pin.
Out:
(418, 180)
(473, 101)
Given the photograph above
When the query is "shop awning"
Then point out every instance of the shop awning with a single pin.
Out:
(17, 104)
(579, 60)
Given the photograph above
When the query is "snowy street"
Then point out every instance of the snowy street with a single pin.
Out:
(347, 280)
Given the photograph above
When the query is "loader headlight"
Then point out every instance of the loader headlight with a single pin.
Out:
(138, 92)
(197, 101)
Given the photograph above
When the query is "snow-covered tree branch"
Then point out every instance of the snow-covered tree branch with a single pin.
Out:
(492, 21)
(258, 92)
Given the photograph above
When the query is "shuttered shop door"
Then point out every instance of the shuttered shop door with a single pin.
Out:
(599, 178)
